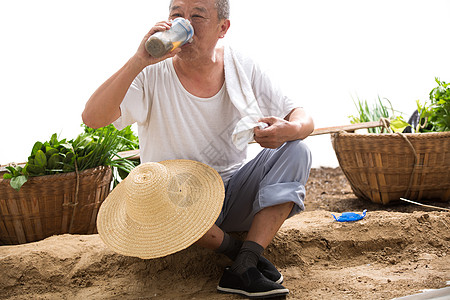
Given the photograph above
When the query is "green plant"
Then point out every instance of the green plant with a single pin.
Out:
(128, 140)
(371, 114)
(90, 149)
(435, 116)
(46, 158)
(375, 113)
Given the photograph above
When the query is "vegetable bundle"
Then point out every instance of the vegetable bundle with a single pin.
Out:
(90, 149)
(429, 117)
(436, 115)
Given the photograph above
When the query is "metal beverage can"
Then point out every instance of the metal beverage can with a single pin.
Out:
(163, 42)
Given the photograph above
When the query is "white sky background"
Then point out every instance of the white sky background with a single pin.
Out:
(55, 53)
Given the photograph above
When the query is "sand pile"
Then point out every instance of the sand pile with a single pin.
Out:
(390, 253)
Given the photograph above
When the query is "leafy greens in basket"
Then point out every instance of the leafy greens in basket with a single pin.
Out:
(376, 112)
(432, 117)
(436, 115)
(90, 149)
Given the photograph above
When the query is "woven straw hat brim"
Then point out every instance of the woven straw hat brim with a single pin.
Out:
(166, 231)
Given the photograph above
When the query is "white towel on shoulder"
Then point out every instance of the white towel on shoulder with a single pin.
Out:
(241, 94)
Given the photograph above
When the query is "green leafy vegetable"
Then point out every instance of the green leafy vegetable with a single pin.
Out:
(398, 124)
(372, 114)
(435, 116)
(40, 159)
(90, 149)
(17, 182)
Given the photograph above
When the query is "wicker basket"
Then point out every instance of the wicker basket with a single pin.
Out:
(385, 167)
(53, 204)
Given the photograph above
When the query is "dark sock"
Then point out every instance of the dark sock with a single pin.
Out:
(230, 246)
(247, 257)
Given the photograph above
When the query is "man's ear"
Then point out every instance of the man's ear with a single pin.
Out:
(224, 26)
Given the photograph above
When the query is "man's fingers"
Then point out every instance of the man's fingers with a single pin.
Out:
(268, 120)
(265, 132)
(160, 26)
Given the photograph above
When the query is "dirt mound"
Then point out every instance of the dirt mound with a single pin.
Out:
(394, 251)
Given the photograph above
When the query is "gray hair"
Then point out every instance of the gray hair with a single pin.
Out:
(223, 9)
(222, 6)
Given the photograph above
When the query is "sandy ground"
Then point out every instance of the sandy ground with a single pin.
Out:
(394, 251)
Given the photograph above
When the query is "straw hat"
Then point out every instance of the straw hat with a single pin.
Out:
(161, 208)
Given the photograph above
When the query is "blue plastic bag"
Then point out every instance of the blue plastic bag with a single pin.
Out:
(350, 217)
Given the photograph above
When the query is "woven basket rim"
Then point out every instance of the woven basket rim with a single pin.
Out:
(61, 176)
(421, 135)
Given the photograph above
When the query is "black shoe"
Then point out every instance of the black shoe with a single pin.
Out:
(251, 284)
(269, 270)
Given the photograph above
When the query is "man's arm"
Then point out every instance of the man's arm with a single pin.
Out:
(298, 124)
(103, 107)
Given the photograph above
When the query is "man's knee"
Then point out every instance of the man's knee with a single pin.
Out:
(298, 153)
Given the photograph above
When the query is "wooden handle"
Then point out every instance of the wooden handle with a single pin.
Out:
(351, 127)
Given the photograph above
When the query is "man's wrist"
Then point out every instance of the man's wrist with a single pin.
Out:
(137, 64)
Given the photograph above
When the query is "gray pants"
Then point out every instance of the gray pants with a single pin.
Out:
(274, 176)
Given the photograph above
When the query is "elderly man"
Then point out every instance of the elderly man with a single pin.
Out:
(183, 106)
